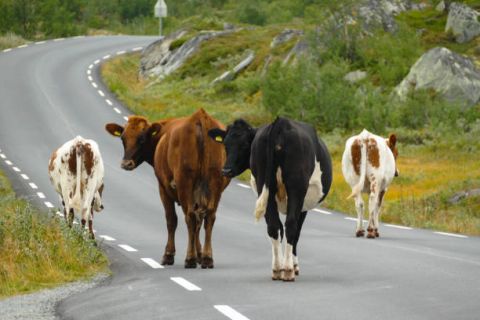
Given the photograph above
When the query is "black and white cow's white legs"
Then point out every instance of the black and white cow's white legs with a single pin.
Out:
(296, 266)
(275, 231)
(359, 205)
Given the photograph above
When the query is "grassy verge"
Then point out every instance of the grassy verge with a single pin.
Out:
(11, 40)
(37, 251)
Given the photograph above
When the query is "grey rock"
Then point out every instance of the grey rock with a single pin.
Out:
(301, 48)
(355, 76)
(448, 73)
(228, 26)
(381, 13)
(440, 6)
(285, 36)
(462, 22)
(159, 61)
(231, 74)
(41, 305)
(459, 196)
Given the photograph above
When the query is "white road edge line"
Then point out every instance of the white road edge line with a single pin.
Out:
(8, 162)
(40, 42)
(24, 176)
(58, 39)
(3, 156)
(90, 66)
(100, 92)
(108, 238)
(41, 195)
(451, 234)
(117, 110)
(106, 57)
(230, 313)
(321, 211)
(126, 247)
(137, 49)
(243, 185)
(185, 283)
(109, 102)
(120, 52)
(90, 77)
(354, 219)
(22, 46)
(96, 61)
(16, 169)
(94, 85)
(125, 118)
(7, 50)
(48, 204)
(33, 185)
(398, 227)
(152, 263)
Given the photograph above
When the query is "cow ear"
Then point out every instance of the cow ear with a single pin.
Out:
(392, 139)
(114, 129)
(217, 134)
(154, 129)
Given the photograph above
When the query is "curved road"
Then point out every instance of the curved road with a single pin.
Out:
(47, 98)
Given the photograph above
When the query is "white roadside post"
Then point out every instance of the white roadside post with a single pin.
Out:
(160, 12)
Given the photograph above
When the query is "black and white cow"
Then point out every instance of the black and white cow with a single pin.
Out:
(290, 167)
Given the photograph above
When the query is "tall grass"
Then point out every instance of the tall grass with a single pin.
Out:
(10, 40)
(38, 251)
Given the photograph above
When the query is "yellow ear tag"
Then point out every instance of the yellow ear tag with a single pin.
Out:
(154, 133)
(117, 133)
(218, 139)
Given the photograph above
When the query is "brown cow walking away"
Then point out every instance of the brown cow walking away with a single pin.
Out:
(188, 167)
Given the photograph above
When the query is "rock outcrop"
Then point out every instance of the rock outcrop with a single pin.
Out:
(355, 76)
(159, 60)
(462, 22)
(231, 74)
(452, 75)
(285, 36)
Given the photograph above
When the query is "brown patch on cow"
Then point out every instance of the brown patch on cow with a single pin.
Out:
(88, 159)
(51, 164)
(356, 155)
(372, 153)
(72, 160)
(380, 197)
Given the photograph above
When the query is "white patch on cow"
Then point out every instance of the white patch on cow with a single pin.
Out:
(253, 184)
(261, 204)
(288, 257)
(276, 255)
(315, 189)
(296, 266)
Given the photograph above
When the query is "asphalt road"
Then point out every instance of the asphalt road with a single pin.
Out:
(48, 98)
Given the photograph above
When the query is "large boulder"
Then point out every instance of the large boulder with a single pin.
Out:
(462, 22)
(159, 59)
(448, 73)
(381, 13)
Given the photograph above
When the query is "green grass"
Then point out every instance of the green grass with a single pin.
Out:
(37, 251)
(11, 40)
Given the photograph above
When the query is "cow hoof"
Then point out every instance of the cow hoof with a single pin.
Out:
(277, 274)
(376, 233)
(297, 269)
(360, 233)
(191, 263)
(207, 262)
(288, 275)
(371, 235)
(168, 259)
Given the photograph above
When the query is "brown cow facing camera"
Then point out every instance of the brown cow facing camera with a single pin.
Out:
(188, 165)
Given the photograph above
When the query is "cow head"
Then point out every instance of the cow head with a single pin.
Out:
(392, 144)
(139, 138)
(237, 140)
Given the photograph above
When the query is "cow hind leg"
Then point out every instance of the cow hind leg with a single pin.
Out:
(296, 266)
(275, 231)
(360, 232)
(294, 207)
(378, 209)
(172, 222)
(191, 258)
(207, 255)
(372, 204)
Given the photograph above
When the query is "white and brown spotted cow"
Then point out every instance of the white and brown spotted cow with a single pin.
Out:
(368, 165)
(76, 172)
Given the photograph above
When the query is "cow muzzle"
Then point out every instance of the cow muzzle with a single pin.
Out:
(128, 165)
(227, 172)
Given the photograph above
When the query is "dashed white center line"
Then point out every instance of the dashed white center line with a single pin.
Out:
(16, 169)
(94, 85)
(8, 162)
(243, 185)
(89, 72)
(58, 39)
(126, 247)
(7, 50)
(109, 102)
(100, 92)
(152, 263)
(117, 110)
(108, 238)
(40, 42)
(90, 66)
(230, 312)
(120, 52)
(48, 204)
(106, 57)
(96, 61)
(451, 234)
(90, 77)
(398, 227)
(23, 46)
(322, 211)
(40, 195)
(185, 283)
(24, 176)
(33, 185)
(3, 156)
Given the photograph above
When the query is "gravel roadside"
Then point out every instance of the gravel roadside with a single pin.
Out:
(41, 305)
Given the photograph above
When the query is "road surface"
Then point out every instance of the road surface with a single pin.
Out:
(51, 91)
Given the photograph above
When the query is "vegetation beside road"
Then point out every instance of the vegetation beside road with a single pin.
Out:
(38, 251)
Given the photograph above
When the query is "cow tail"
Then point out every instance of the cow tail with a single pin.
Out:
(76, 201)
(357, 189)
(201, 189)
